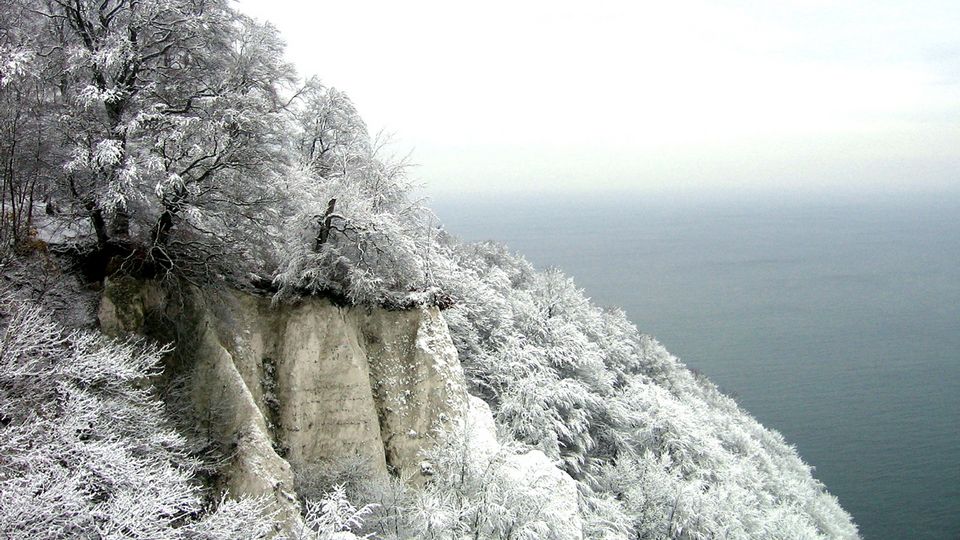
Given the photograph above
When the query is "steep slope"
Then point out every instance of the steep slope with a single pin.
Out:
(658, 451)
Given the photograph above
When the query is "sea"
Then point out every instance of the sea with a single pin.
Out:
(835, 321)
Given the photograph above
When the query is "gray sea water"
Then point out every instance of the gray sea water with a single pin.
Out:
(837, 324)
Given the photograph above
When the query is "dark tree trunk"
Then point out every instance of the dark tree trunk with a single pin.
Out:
(161, 231)
(99, 226)
(325, 223)
(158, 240)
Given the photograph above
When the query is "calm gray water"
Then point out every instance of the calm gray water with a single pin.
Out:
(836, 324)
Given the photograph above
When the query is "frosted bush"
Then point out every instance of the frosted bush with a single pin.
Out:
(85, 449)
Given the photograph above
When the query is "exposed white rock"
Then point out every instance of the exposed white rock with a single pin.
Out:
(543, 481)
(219, 392)
(481, 431)
(291, 387)
(530, 475)
(325, 409)
(416, 378)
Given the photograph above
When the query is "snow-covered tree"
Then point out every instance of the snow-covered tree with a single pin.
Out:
(333, 139)
(164, 124)
(333, 517)
(354, 231)
(28, 143)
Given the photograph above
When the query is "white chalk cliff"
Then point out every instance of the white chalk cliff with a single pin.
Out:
(292, 386)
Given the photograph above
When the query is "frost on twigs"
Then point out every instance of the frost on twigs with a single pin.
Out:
(85, 450)
(499, 491)
(354, 230)
(333, 517)
(371, 254)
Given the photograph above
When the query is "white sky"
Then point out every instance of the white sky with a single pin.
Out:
(726, 96)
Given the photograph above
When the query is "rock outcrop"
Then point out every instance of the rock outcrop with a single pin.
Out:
(531, 474)
(294, 386)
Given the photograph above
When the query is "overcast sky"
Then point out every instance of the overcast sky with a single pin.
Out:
(726, 96)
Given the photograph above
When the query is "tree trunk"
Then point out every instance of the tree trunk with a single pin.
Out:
(99, 226)
(324, 233)
(161, 231)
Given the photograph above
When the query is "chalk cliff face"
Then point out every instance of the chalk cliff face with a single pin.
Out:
(293, 386)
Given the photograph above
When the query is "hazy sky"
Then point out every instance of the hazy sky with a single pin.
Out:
(724, 96)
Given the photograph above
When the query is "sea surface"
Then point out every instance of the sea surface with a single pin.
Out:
(835, 323)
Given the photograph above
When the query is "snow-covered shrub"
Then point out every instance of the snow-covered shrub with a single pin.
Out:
(85, 449)
(357, 251)
(604, 517)
(332, 517)
(353, 474)
(482, 489)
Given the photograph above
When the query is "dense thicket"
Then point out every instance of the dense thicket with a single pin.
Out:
(658, 451)
(172, 136)
(86, 450)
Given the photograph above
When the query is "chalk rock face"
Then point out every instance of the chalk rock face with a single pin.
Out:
(295, 386)
(416, 378)
(481, 431)
(532, 476)
(315, 380)
(544, 481)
